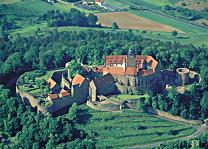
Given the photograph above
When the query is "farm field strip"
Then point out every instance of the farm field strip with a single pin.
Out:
(126, 20)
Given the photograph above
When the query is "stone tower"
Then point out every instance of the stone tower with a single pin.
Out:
(182, 75)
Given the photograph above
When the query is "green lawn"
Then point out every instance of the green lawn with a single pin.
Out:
(49, 73)
(127, 128)
(127, 96)
(9, 1)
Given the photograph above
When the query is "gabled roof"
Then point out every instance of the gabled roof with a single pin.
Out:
(114, 70)
(56, 76)
(103, 80)
(53, 96)
(51, 83)
(99, 1)
(99, 69)
(145, 65)
(78, 80)
(131, 71)
(64, 93)
(116, 59)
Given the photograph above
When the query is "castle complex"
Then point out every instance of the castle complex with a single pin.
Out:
(121, 74)
(125, 74)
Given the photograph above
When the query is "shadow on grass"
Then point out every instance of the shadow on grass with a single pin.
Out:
(182, 37)
(83, 116)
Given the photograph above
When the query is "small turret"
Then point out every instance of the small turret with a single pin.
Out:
(183, 76)
(67, 66)
(131, 53)
(131, 60)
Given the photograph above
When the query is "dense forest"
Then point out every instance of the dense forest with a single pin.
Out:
(52, 49)
(33, 130)
(74, 17)
(185, 13)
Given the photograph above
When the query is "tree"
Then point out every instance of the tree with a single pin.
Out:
(12, 63)
(204, 105)
(115, 26)
(77, 17)
(75, 68)
(92, 19)
(141, 106)
(72, 114)
(194, 144)
(174, 33)
(184, 112)
(51, 143)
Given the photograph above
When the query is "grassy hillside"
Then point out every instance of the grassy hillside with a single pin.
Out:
(127, 128)
(32, 8)
(9, 1)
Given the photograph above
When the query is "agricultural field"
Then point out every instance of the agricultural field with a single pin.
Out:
(126, 20)
(128, 128)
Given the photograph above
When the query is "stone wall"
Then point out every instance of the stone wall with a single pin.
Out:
(126, 84)
(56, 104)
(64, 81)
(81, 92)
(110, 89)
(127, 89)
(99, 107)
(173, 78)
(107, 89)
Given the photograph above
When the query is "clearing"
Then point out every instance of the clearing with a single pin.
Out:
(126, 20)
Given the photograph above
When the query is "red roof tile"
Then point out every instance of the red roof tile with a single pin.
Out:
(51, 83)
(53, 96)
(131, 71)
(117, 59)
(64, 93)
(141, 61)
(78, 79)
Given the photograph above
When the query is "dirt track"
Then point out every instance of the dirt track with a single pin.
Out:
(126, 20)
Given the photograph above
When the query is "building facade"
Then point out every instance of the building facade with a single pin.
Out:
(129, 73)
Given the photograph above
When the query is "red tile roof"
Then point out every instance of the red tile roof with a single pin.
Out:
(141, 60)
(51, 83)
(117, 59)
(131, 71)
(114, 70)
(64, 93)
(78, 79)
(99, 69)
(99, 1)
(53, 96)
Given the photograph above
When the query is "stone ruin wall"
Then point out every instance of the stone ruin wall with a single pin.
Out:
(56, 104)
